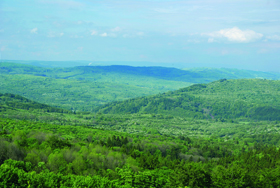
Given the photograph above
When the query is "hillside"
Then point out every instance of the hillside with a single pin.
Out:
(86, 88)
(76, 90)
(107, 150)
(224, 99)
(11, 101)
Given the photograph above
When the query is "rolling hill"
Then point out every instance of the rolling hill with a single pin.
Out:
(16, 102)
(50, 149)
(73, 89)
(85, 88)
(223, 99)
(128, 74)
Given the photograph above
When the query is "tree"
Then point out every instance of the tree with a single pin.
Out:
(191, 174)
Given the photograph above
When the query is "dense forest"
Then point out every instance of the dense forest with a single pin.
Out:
(11, 101)
(223, 99)
(80, 88)
(133, 150)
(219, 134)
(46, 155)
(87, 87)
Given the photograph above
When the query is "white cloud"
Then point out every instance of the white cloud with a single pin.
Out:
(274, 37)
(104, 35)
(61, 34)
(93, 32)
(235, 35)
(34, 30)
(116, 29)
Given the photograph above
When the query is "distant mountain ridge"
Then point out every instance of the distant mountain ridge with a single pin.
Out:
(220, 73)
(194, 75)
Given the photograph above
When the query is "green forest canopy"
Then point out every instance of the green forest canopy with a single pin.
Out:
(223, 99)
(85, 88)
(216, 135)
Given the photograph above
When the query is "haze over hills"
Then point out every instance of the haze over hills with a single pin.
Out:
(55, 64)
(86, 87)
(78, 88)
(193, 75)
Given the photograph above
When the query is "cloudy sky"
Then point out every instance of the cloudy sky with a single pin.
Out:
(211, 33)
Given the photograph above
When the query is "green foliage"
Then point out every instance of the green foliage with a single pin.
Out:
(14, 175)
(85, 88)
(93, 157)
(224, 99)
(192, 175)
(11, 101)
(80, 88)
(205, 135)
(57, 143)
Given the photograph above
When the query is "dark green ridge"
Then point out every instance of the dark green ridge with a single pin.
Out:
(245, 98)
(11, 101)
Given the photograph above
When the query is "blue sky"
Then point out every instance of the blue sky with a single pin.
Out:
(241, 34)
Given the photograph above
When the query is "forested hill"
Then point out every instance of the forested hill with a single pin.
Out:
(11, 101)
(223, 99)
(78, 89)
(87, 87)
(164, 73)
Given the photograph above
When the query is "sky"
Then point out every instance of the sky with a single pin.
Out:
(242, 34)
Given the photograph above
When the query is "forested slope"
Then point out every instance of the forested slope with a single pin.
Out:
(86, 88)
(47, 155)
(15, 102)
(74, 90)
(224, 99)
(41, 146)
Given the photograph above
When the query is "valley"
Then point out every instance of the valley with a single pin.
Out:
(62, 126)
